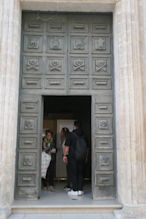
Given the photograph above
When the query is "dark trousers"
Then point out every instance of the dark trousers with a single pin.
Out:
(68, 175)
(76, 173)
(49, 175)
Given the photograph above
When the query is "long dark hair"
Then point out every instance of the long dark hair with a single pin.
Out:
(65, 131)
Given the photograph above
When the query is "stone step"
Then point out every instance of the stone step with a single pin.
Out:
(54, 206)
(63, 209)
(63, 216)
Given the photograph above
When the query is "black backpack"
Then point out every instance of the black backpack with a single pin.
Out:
(81, 148)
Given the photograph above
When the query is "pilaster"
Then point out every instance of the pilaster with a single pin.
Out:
(10, 24)
(129, 103)
(142, 31)
(129, 94)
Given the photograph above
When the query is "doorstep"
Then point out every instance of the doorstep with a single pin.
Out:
(26, 207)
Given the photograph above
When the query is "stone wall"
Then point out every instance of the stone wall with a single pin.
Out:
(130, 93)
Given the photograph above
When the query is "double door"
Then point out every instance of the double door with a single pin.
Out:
(66, 54)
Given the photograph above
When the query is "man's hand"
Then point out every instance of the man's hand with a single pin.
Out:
(65, 159)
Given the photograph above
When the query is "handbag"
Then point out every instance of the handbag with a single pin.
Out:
(46, 159)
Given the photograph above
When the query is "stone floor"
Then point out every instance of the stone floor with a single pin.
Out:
(60, 198)
(62, 205)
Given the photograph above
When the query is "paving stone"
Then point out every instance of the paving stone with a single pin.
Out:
(81, 216)
(62, 216)
(87, 216)
(16, 216)
(109, 216)
(42, 216)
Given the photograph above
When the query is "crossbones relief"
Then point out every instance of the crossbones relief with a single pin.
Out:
(101, 65)
(55, 65)
(32, 64)
(79, 65)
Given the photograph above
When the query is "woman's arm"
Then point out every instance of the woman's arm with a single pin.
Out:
(53, 148)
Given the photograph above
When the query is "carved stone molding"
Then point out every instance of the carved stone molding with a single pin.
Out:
(25, 4)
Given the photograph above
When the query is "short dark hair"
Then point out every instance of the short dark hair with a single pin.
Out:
(49, 131)
(77, 123)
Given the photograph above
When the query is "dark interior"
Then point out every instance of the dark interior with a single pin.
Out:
(66, 108)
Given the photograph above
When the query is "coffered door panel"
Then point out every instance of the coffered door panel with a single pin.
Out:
(29, 146)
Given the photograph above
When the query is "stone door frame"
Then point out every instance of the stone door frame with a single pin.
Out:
(128, 91)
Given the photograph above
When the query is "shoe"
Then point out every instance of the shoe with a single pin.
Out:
(67, 188)
(73, 193)
(80, 193)
(45, 188)
(51, 188)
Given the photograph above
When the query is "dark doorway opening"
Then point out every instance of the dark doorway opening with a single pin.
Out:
(63, 110)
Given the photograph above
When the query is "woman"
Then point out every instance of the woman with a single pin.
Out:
(64, 134)
(49, 147)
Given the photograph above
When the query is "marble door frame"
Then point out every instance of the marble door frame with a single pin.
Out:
(129, 104)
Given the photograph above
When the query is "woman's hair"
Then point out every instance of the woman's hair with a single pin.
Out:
(49, 131)
(65, 131)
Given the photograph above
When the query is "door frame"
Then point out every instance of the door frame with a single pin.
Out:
(92, 146)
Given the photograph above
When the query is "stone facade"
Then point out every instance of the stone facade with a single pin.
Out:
(130, 94)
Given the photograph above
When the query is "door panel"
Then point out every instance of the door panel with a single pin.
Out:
(29, 145)
(103, 174)
(66, 54)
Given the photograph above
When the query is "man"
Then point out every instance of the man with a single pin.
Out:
(76, 165)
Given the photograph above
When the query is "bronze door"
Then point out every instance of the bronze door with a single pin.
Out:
(66, 54)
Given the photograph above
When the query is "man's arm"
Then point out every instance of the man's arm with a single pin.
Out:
(66, 150)
(65, 154)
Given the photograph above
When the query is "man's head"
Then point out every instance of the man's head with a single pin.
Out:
(49, 134)
(76, 124)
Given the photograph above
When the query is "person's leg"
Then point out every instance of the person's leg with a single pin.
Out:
(44, 183)
(51, 170)
(47, 176)
(73, 174)
(80, 167)
(68, 175)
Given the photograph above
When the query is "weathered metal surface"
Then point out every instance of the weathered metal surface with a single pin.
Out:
(66, 54)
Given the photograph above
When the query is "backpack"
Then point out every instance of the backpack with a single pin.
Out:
(81, 148)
